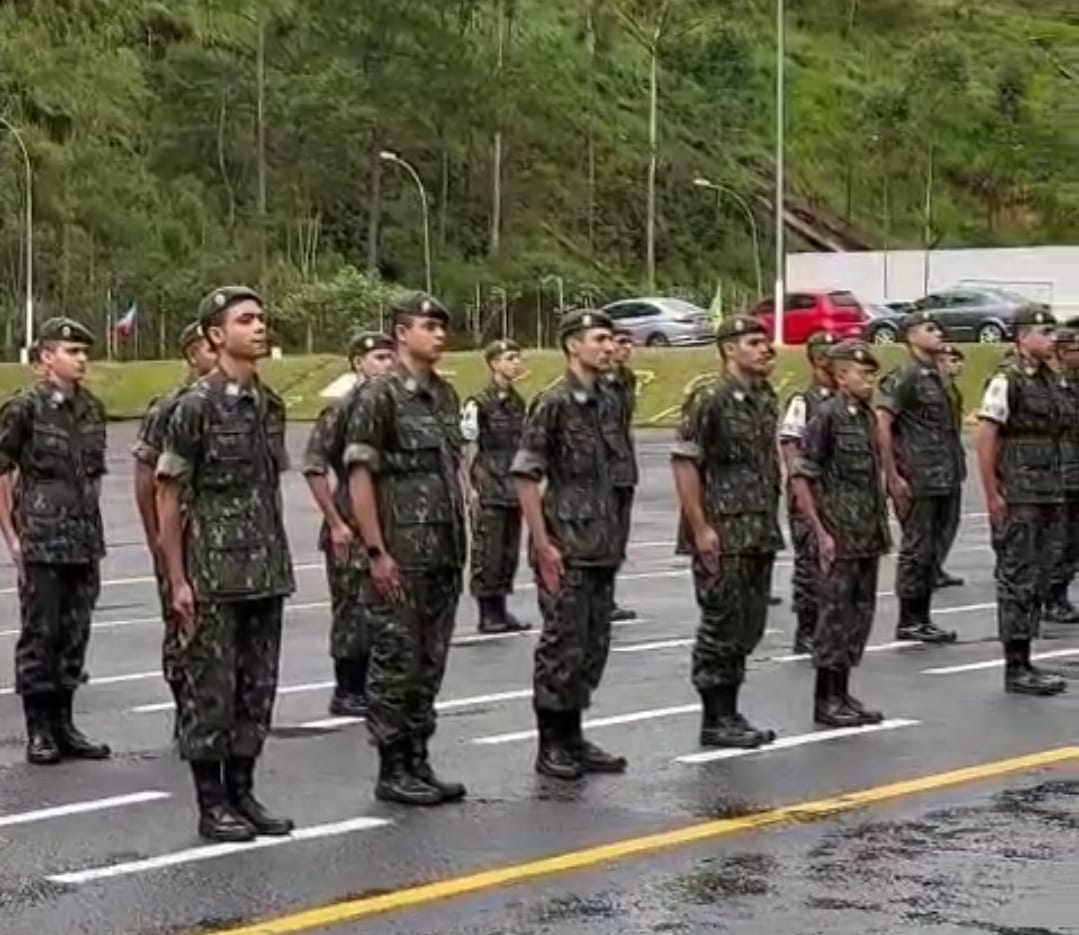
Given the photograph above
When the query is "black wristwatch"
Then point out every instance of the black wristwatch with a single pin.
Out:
(373, 551)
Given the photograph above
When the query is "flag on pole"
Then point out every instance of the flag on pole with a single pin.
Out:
(128, 323)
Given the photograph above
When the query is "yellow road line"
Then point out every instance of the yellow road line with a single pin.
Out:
(353, 910)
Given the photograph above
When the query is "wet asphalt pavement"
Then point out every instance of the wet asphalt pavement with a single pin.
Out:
(104, 849)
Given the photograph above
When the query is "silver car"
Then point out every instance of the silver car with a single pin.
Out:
(662, 322)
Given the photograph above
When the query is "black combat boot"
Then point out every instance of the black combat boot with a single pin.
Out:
(239, 787)
(217, 819)
(555, 757)
(803, 634)
(492, 615)
(831, 708)
(1059, 609)
(1022, 678)
(41, 748)
(868, 715)
(723, 726)
(916, 626)
(946, 580)
(593, 759)
(72, 741)
(395, 781)
(621, 614)
(420, 767)
(349, 694)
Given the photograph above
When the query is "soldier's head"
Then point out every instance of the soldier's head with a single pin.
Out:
(196, 350)
(744, 343)
(420, 326)
(233, 320)
(587, 338)
(1067, 348)
(854, 368)
(817, 348)
(954, 359)
(64, 345)
(623, 345)
(504, 359)
(922, 332)
(371, 353)
(1034, 331)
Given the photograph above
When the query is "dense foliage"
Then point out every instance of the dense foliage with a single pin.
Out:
(911, 121)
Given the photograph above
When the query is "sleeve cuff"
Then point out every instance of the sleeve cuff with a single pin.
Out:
(170, 466)
(362, 455)
(803, 467)
(529, 465)
(689, 450)
(145, 453)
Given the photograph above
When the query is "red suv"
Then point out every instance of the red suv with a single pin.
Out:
(838, 313)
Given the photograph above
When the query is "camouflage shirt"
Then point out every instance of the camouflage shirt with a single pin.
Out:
(728, 430)
(150, 439)
(225, 444)
(406, 432)
(618, 403)
(564, 444)
(839, 458)
(57, 444)
(325, 453)
(500, 416)
(1068, 390)
(928, 447)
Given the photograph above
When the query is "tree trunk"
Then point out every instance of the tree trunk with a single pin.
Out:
(374, 201)
(444, 195)
(222, 163)
(590, 43)
(260, 69)
(496, 149)
(653, 156)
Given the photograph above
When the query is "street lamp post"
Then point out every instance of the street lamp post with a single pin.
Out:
(744, 205)
(25, 354)
(389, 156)
(781, 249)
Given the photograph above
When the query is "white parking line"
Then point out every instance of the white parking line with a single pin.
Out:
(108, 679)
(81, 808)
(631, 718)
(876, 648)
(997, 663)
(798, 740)
(212, 851)
(648, 647)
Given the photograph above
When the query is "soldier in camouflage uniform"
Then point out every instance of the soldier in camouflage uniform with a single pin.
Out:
(953, 359)
(570, 503)
(1059, 609)
(53, 433)
(200, 359)
(403, 451)
(837, 482)
(491, 424)
(223, 543)
(923, 465)
(801, 408)
(370, 355)
(621, 382)
(726, 470)
(1018, 445)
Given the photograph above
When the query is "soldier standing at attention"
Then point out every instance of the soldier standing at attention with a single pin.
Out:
(1059, 609)
(801, 408)
(622, 382)
(491, 424)
(53, 433)
(200, 358)
(954, 360)
(223, 541)
(726, 470)
(403, 452)
(370, 355)
(1018, 445)
(576, 546)
(923, 465)
(837, 482)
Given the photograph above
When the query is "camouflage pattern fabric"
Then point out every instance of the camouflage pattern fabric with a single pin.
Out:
(1029, 459)
(1068, 560)
(229, 668)
(496, 548)
(734, 608)
(410, 641)
(501, 416)
(347, 579)
(928, 530)
(619, 402)
(57, 444)
(847, 602)
(563, 443)
(57, 605)
(1027, 546)
(572, 650)
(953, 514)
(407, 433)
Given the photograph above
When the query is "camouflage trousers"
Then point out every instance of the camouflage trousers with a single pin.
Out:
(805, 572)
(572, 650)
(229, 669)
(57, 605)
(734, 608)
(1068, 559)
(348, 631)
(624, 498)
(1027, 544)
(170, 642)
(409, 642)
(929, 529)
(496, 547)
(848, 601)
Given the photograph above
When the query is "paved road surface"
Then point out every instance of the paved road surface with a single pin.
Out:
(696, 846)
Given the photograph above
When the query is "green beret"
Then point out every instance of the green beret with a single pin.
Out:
(951, 350)
(851, 351)
(420, 305)
(220, 299)
(620, 332)
(192, 332)
(919, 317)
(1033, 316)
(498, 348)
(581, 319)
(66, 329)
(364, 342)
(820, 340)
(738, 327)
